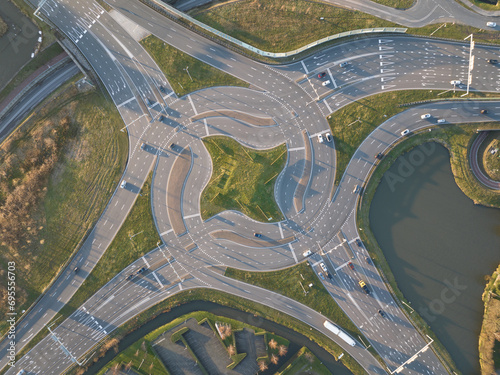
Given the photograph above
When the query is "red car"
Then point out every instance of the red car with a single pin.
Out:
(351, 266)
(321, 75)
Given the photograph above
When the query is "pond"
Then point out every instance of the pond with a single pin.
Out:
(439, 245)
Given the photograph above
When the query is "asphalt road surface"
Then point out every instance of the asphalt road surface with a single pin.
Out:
(295, 98)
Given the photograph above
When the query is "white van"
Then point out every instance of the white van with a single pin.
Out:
(491, 24)
(327, 82)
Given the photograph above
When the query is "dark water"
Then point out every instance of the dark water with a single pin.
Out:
(17, 44)
(296, 340)
(439, 246)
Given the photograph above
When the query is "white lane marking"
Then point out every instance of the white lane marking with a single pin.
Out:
(157, 279)
(331, 78)
(304, 66)
(166, 232)
(293, 253)
(297, 148)
(193, 215)
(192, 105)
(126, 102)
(281, 230)
(145, 261)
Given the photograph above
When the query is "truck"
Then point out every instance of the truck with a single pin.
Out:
(363, 286)
(337, 331)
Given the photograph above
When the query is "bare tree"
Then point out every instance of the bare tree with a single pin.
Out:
(143, 346)
(231, 350)
(273, 344)
(274, 359)
(282, 350)
(262, 366)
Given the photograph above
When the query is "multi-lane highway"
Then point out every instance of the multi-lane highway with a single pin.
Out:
(288, 105)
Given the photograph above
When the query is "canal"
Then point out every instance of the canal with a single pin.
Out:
(439, 245)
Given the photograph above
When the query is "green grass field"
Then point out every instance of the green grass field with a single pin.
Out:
(304, 363)
(185, 73)
(486, 6)
(283, 25)
(242, 179)
(48, 33)
(399, 4)
(491, 162)
(91, 157)
(351, 124)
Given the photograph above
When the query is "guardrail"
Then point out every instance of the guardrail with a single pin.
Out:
(220, 34)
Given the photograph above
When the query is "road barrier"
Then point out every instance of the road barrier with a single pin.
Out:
(181, 15)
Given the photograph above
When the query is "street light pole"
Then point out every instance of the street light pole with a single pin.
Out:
(471, 63)
(187, 71)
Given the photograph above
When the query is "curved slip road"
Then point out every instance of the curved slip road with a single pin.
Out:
(474, 163)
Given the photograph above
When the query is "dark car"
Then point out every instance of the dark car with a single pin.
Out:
(368, 260)
(351, 266)
(358, 242)
(379, 156)
(382, 313)
(330, 276)
(484, 111)
(143, 146)
(321, 75)
(141, 270)
(162, 118)
(162, 89)
(129, 277)
(258, 235)
(172, 146)
(493, 61)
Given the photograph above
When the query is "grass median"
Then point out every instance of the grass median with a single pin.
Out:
(59, 169)
(242, 179)
(185, 73)
(489, 155)
(3, 27)
(353, 123)
(486, 5)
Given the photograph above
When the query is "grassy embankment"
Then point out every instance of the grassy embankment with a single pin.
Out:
(132, 357)
(59, 169)
(173, 64)
(398, 4)
(283, 25)
(304, 362)
(242, 179)
(489, 338)
(490, 163)
(3, 27)
(226, 300)
(486, 6)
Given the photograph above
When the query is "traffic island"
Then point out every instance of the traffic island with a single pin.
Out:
(242, 179)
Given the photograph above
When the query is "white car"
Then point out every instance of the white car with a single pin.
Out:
(426, 116)
(328, 137)
(323, 267)
(307, 253)
(320, 138)
(441, 121)
(327, 82)
(405, 132)
(456, 82)
(123, 184)
(491, 24)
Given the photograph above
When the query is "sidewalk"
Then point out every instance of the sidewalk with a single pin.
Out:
(30, 79)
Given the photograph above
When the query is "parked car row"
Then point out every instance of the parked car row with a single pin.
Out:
(327, 136)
